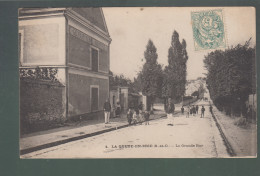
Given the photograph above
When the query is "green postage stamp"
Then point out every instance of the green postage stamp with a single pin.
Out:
(208, 29)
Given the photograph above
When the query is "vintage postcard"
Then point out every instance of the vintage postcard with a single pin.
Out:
(137, 82)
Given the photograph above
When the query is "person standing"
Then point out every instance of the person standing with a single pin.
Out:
(202, 112)
(146, 117)
(118, 109)
(182, 110)
(107, 109)
(197, 109)
(193, 110)
(188, 112)
(129, 116)
(170, 108)
(210, 109)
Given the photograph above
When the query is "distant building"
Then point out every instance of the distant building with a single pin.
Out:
(76, 42)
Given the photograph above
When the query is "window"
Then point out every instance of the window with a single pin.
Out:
(94, 99)
(94, 59)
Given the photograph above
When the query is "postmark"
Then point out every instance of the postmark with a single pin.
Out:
(208, 29)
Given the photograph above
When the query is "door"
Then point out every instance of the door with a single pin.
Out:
(94, 99)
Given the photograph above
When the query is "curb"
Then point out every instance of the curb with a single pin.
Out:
(230, 150)
(56, 143)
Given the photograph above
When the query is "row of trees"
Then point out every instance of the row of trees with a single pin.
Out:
(154, 81)
(231, 77)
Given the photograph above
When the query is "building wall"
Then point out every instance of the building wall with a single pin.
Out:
(93, 15)
(79, 91)
(80, 75)
(80, 44)
(42, 105)
(42, 41)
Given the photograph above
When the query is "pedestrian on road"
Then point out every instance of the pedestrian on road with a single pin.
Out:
(202, 112)
(129, 116)
(107, 109)
(170, 109)
(193, 110)
(210, 109)
(182, 110)
(135, 118)
(197, 109)
(146, 117)
(187, 111)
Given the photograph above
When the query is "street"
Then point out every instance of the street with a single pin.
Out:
(177, 137)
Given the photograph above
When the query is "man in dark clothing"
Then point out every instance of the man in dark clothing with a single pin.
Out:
(194, 110)
(182, 110)
(107, 109)
(210, 109)
(202, 112)
(191, 110)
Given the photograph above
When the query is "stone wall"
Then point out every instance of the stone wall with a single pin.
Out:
(42, 105)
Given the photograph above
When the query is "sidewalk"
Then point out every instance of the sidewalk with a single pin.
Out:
(50, 138)
(242, 140)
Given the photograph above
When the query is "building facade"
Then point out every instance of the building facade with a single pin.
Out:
(74, 41)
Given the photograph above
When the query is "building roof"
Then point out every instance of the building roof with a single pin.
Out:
(94, 16)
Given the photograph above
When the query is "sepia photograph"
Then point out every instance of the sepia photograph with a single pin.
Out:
(137, 82)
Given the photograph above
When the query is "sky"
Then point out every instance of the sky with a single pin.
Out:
(131, 27)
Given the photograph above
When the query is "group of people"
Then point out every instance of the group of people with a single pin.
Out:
(193, 110)
(137, 115)
(107, 109)
(134, 114)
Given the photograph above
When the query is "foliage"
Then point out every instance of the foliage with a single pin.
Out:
(231, 77)
(175, 73)
(195, 93)
(121, 81)
(151, 74)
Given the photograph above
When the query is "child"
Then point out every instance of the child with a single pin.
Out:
(134, 118)
(146, 117)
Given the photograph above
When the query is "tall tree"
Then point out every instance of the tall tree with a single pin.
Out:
(175, 73)
(230, 78)
(151, 74)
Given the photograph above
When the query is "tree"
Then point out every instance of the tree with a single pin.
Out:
(231, 77)
(151, 74)
(195, 93)
(120, 80)
(175, 73)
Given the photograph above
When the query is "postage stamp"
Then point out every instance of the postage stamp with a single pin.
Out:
(208, 29)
